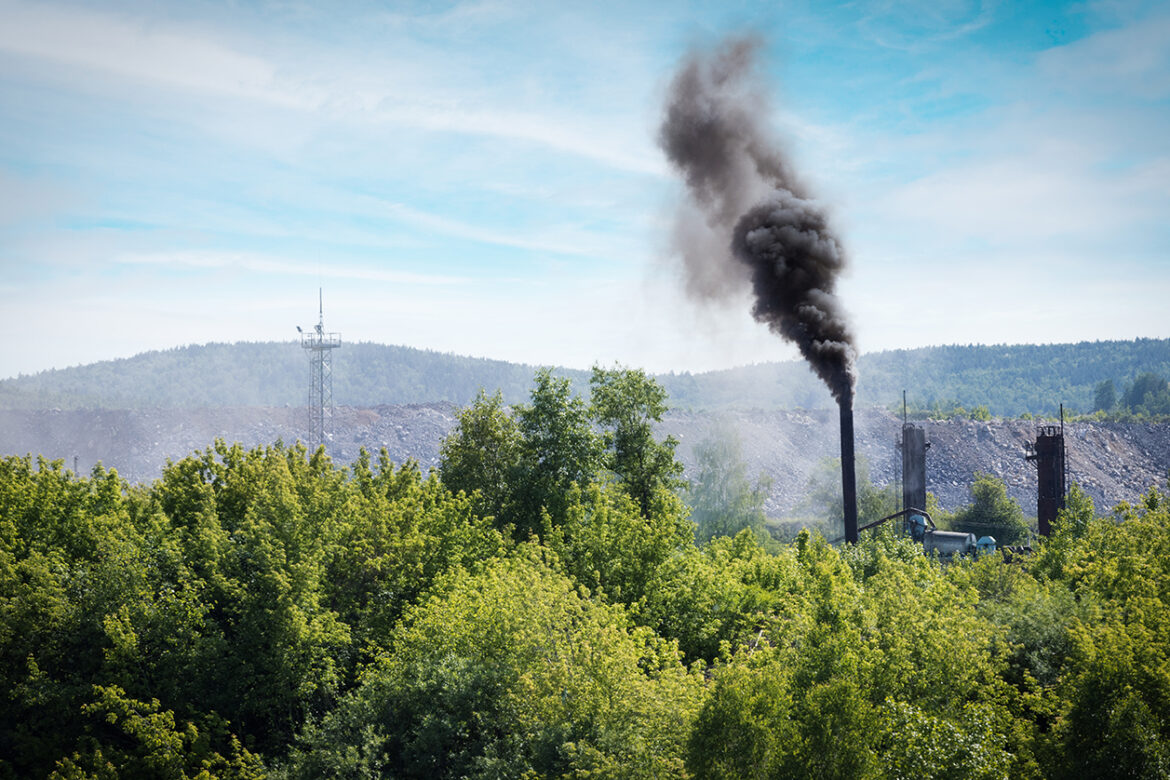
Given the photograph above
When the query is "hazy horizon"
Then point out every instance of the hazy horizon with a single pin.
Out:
(584, 368)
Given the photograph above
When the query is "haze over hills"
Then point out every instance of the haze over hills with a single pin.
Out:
(1009, 380)
(137, 413)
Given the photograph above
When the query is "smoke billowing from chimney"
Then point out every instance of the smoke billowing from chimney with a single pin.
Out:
(758, 227)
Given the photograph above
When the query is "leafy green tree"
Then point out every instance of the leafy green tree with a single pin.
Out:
(1076, 515)
(268, 651)
(481, 456)
(823, 498)
(991, 513)
(608, 546)
(235, 596)
(129, 738)
(1105, 396)
(511, 673)
(721, 596)
(1113, 705)
(1149, 394)
(723, 500)
(626, 403)
(558, 449)
(882, 677)
(397, 533)
(94, 591)
(192, 627)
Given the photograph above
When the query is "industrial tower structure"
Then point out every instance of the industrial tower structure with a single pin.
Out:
(913, 446)
(319, 346)
(1052, 473)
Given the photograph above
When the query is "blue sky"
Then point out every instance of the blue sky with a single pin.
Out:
(482, 177)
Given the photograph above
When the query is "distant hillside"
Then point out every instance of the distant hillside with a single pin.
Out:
(266, 374)
(1009, 380)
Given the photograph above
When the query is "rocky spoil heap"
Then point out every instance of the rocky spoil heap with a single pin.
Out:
(1112, 461)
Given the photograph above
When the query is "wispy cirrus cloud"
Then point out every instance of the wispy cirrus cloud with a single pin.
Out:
(562, 240)
(109, 45)
(120, 46)
(264, 264)
(1132, 60)
(918, 25)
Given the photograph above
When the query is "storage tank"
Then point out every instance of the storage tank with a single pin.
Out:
(947, 543)
(986, 544)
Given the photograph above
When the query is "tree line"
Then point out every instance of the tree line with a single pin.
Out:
(1001, 380)
(1148, 396)
(544, 605)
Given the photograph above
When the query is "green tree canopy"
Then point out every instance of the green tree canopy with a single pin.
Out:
(991, 513)
(723, 500)
(558, 449)
(481, 456)
(1149, 394)
(264, 611)
(511, 673)
(1105, 396)
(626, 403)
(823, 497)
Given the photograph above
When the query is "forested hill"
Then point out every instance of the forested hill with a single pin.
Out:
(1008, 380)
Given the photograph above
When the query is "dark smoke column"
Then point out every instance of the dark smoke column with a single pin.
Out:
(759, 229)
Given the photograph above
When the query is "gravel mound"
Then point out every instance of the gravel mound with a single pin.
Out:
(1113, 462)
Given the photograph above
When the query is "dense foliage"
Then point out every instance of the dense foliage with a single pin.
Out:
(991, 513)
(264, 613)
(967, 380)
(1147, 396)
(723, 500)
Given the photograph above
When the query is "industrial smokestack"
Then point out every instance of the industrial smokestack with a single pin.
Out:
(760, 229)
(848, 473)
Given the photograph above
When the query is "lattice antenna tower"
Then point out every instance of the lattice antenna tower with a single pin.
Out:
(319, 346)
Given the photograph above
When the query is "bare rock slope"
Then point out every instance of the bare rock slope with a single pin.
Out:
(1112, 461)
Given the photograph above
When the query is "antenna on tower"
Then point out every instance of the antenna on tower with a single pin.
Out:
(319, 346)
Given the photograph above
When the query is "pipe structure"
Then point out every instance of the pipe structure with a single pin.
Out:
(848, 472)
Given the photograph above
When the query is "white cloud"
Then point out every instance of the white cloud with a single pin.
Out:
(274, 265)
(331, 85)
(1132, 61)
(24, 199)
(274, 145)
(1013, 200)
(592, 140)
(142, 51)
(567, 240)
(918, 25)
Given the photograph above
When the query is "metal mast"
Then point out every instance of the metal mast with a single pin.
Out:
(319, 346)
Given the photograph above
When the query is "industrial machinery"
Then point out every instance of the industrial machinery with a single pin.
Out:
(919, 525)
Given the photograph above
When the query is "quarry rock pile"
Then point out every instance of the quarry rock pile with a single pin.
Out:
(1113, 462)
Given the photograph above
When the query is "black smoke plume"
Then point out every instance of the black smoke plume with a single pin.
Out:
(758, 226)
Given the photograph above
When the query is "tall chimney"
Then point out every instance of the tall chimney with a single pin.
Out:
(848, 473)
(1048, 453)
